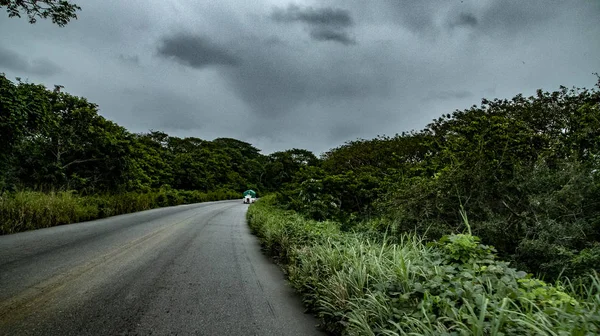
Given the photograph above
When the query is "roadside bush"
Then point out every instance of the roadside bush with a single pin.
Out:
(22, 211)
(29, 210)
(453, 286)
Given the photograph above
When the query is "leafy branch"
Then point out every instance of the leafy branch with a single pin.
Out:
(59, 11)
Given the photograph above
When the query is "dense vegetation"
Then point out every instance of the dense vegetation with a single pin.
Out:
(53, 142)
(525, 170)
(363, 283)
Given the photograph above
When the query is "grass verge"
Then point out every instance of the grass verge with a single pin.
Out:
(363, 284)
(29, 210)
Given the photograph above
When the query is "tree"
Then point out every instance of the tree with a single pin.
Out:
(24, 111)
(75, 149)
(282, 166)
(151, 164)
(59, 11)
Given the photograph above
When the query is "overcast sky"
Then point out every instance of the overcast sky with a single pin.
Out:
(303, 74)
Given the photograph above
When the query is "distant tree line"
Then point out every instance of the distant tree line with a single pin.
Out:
(51, 140)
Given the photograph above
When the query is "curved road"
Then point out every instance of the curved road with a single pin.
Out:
(185, 270)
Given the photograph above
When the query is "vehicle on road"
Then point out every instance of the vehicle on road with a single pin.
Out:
(249, 196)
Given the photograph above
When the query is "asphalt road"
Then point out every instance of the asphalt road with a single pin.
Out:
(186, 270)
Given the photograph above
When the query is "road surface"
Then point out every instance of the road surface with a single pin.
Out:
(186, 270)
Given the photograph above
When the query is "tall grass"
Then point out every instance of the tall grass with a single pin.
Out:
(360, 285)
(29, 210)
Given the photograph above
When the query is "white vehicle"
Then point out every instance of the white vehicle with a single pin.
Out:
(249, 196)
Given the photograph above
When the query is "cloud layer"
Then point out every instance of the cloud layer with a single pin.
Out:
(303, 74)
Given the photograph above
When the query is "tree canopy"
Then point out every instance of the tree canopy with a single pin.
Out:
(51, 140)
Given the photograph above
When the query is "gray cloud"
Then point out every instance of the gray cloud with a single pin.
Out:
(326, 34)
(195, 51)
(314, 16)
(325, 24)
(16, 62)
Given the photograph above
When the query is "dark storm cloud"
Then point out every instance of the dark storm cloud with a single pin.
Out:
(195, 51)
(276, 84)
(447, 95)
(326, 34)
(11, 60)
(314, 16)
(325, 24)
